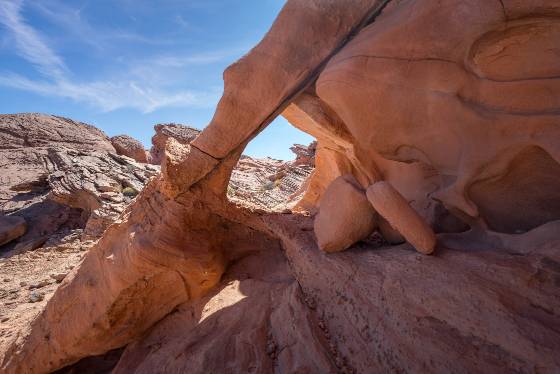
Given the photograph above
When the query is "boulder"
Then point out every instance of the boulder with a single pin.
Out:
(392, 206)
(345, 215)
(181, 133)
(128, 146)
(11, 227)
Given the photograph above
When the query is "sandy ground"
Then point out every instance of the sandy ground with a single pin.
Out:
(28, 280)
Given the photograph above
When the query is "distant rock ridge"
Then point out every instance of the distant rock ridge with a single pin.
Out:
(42, 130)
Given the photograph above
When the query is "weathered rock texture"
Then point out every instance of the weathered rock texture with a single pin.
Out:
(35, 130)
(183, 134)
(128, 146)
(453, 117)
(11, 228)
(68, 173)
(62, 183)
(268, 183)
(443, 101)
(392, 206)
(346, 216)
(305, 155)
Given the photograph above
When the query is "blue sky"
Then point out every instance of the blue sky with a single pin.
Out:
(125, 65)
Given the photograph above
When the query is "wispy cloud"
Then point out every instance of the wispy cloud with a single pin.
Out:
(133, 89)
(196, 59)
(75, 24)
(29, 44)
(108, 96)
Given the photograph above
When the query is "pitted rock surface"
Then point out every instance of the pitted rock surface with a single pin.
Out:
(128, 146)
(182, 133)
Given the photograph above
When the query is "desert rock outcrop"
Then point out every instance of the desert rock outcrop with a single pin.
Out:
(128, 146)
(78, 194)
(267, 183)
(181, 133)
(35, 130)
(11, 227)
(453, 117)
(305, 155)
(71, 172)
(454, 122)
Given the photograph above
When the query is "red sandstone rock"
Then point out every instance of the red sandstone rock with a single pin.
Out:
(395, 209)
(128, 146)
(444, 101)
(455, 115)
(181, 133)
(345, 216)
(305, 155)
(40, 130)
(11, 227)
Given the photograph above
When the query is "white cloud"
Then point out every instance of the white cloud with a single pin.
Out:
(131, 90)
(29, 44)
(108, 96)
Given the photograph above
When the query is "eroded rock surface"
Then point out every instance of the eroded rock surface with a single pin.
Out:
(35, 130)
(11, 227)
(255, 321)
(181, 133)
(128, 146)
(49, 180)
(346, 216)
(305, 155)
(443, 101)
(267, 183)
(65, 182)
(451, 115)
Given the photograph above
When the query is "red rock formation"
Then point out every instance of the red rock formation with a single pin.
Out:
(305, 155)
(346, 217)
(11, 227)
(449, 122)
(55, 169)
(41, 130)
(181, 133)
(440, 100)
(128, 146)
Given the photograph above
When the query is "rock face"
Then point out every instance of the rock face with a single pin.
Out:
(256, 321)
(52, 182)
(452, 124)
(11, 227)
(268, 184)
(182, 133)
(34, 130)
(71, 198)
(128, 146)
(346, 216)
(305, 155)
(444, 102)
(100, 184)
(61, 186)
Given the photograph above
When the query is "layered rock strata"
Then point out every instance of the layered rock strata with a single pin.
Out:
(459, 120)
(128, 146)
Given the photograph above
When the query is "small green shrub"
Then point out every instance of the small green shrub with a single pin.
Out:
(129, 192)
